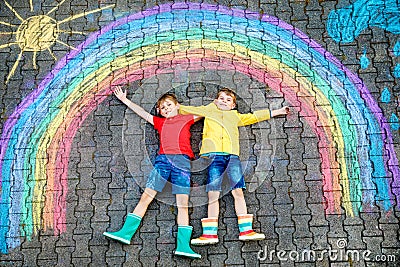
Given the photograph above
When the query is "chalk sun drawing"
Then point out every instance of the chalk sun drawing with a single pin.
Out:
(355, 141)
(38, 33)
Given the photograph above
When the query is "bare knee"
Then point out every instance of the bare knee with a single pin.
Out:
(238, 193)
(213, 196)
(182, 201)
(148, 196)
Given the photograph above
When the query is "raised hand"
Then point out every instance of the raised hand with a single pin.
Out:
(119, 93)
(282, 111)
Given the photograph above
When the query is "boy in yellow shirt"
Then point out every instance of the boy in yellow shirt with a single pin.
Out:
(220, 143)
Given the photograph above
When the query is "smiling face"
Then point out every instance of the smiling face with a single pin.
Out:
(225, 100)
(167, 106)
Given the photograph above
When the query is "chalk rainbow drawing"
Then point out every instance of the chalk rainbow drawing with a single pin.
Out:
(355, 142)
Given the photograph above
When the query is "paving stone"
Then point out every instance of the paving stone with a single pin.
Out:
(29, 258)
(286, 240)
(166, 255)
(301, 223)
(320, 238)
(80, 261)
(231, 251)
(282, 196)
(64, 255)
(298, 181)
(389, 232)
(268, 226)
(216, 259)
(116, 261)
(82, 247)
(150, 246)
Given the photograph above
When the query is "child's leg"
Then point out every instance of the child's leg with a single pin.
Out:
(184, 230)
(180, 179)
(245, 221)
(133, 220)
(240, 202)
(213, 204)
(210, 224)
(214, 179)
(144, 202)
(182, 201)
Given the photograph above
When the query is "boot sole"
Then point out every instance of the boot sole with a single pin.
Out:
(205, 243)
(193, 256)
(251, 239)
(117, 238)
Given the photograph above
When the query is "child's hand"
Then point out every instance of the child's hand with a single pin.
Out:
(282, 111)
(119, 93)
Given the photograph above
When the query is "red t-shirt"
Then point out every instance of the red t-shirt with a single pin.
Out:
(174, 134)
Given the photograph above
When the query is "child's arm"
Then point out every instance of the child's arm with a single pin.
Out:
(121, 95)
(282, 111)
(261, 115)
(195, 117)
(200, 111)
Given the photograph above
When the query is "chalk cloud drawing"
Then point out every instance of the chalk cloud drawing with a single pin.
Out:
(38, 33)
(396, 52)
(364, 61)
(385, 96)
(396, 72)
(394, 122)
(396, 49)
(346, 23)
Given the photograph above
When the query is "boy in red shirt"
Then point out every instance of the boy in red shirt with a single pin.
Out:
(172, 162)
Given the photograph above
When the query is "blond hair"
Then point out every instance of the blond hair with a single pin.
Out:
(228, 92)
(166, 96)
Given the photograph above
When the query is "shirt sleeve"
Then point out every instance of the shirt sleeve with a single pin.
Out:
(199, 111)
(157, 122)
(190, 119)
(257, 116)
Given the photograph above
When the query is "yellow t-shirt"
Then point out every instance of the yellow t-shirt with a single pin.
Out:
(220, 131)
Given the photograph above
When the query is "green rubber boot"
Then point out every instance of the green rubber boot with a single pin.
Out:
(124, 235)
(183, 239)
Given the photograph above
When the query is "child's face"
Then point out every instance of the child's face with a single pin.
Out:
(224, 102)
(168, 108)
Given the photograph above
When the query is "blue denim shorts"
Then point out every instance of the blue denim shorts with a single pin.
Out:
(222, 165)
(172, 168)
